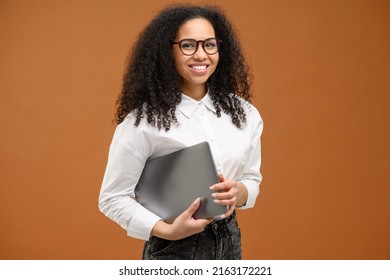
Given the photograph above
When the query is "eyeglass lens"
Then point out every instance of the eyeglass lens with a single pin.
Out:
(190, 46)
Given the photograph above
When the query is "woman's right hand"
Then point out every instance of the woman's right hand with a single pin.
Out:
(183, 226)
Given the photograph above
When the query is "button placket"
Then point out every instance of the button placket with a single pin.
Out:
(210, 136)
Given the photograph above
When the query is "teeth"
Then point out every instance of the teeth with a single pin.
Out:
(200, 67)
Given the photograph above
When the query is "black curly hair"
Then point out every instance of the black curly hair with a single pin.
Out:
(151, 83)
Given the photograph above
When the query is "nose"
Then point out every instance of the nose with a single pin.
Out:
(200, 54)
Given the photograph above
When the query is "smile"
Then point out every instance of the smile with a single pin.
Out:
(199, 67)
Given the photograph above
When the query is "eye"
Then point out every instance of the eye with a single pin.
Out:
(210, 44)
(188, 44)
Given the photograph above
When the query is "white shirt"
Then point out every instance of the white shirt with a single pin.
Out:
(236, 153)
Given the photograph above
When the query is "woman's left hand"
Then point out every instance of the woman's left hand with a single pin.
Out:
(230, 193)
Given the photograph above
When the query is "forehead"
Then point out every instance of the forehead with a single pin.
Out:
(197, 28)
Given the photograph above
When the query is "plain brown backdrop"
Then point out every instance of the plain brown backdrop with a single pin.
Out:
(322, 84)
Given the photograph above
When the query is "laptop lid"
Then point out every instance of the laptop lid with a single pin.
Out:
(169, 184)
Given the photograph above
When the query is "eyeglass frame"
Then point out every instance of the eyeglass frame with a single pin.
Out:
(197, 45)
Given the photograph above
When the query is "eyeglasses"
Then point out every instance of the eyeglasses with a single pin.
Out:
(190, 46)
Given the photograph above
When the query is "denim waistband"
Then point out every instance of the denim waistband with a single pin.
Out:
(221, 225)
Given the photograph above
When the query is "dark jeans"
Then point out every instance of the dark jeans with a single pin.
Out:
(221, 240)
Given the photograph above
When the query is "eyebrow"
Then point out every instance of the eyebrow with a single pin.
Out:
(195, 39)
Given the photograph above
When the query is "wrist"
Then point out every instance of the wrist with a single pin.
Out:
(242, 194)
(161, 229)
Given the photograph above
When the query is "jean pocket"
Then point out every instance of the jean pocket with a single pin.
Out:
(156, 248)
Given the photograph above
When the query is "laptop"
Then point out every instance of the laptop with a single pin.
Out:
(170, 183)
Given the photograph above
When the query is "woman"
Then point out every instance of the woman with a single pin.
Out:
(186, 82)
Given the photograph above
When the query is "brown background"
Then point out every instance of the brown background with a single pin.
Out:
(322, 84)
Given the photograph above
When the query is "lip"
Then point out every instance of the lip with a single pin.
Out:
(199, 68)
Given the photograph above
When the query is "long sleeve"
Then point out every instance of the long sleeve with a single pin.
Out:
(252, 177)
(117, 198)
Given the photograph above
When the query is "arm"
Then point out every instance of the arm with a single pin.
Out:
(117, 199)
(243, 192)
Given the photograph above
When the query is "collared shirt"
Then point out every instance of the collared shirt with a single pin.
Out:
(236, 152)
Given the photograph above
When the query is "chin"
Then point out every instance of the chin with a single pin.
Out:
(199, 79)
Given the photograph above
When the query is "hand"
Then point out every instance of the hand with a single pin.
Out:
(230, 193)
(183, 226)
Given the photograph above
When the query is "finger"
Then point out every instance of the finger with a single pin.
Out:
(221, 178)
(223, 195)
(223, 185)
(230, 211)
(220, 217)
(220, 187)
(228, 202)
(192, 208)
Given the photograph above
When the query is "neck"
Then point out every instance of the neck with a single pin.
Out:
(196, 92)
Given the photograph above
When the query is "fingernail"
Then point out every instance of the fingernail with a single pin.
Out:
(211, 188)
(220, 217)
(216, 201)
(213, 194)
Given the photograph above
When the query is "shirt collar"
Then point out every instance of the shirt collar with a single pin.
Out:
(188, 105)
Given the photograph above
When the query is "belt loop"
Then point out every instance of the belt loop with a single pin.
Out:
(215, 228)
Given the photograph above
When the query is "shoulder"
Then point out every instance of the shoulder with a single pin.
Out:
(137, 139)
(253, 117)
(249, 108)
(134, 137)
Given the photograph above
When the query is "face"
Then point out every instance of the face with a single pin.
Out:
(195, 69)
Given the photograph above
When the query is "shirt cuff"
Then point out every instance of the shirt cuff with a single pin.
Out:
(142, 223)
(253, 188)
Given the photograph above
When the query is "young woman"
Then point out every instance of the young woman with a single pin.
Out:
(186, 82)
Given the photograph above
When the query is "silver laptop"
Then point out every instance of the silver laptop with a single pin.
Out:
(169, 184)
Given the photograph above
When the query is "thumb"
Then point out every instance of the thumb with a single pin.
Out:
(192, 208)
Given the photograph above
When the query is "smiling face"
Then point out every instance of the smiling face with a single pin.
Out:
(195, 69)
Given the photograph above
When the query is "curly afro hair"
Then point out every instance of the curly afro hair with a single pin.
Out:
(151, 83)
